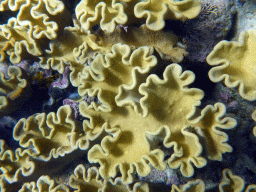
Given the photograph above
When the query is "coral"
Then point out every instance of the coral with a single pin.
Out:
(44, 183)
(120, 66)
(40, 131)
(191, 186)
(17, 42)
(228, 183)
(156, 12)
(162, 111)
(84, 180)
(73, 47)
(76, 48)
(15, 164)
(234, 62)
(164, 42)
(90, 179)
(13, 90)
(43, 19)
(231, 182)
(110, 12)
(19, 38)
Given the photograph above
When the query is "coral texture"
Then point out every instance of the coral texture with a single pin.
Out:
(156, 12)
(44, 17)
(234, 62)
(192, 186)
(144, 115)
(17, 42)
(110, 13)
(57, 131)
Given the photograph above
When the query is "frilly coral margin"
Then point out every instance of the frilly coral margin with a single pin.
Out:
(168, 115)
(39, 129)
(13, 90)
(109, 13)
(156, 12)
(234, 62)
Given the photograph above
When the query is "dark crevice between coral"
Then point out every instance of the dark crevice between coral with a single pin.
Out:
(213, 167)
(71, 5)
(34, 104)
(57, 96)
(175, 26)
(6, 15)
(6, 129)
(159, 187)
(231, 33)
(202, 80)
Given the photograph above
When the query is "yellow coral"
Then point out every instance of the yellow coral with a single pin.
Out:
(43, 17)
(251, 188)
(231, 182)
(45, 184)
(234, 62)
(192, 186)
(108, 13)
(139, 116)
(19, 42)
(207, 126)
(77, 49)
(86, 180)
(73, 47)
(40, 131)
(145, 114)
(12, 89)
(107, 73)
(164, 42)
(90, 180)
(14, 164)
(13, 5)
(157, 11)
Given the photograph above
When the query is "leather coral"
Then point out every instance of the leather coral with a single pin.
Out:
(138, 112)
(234, 63)
(14, 89)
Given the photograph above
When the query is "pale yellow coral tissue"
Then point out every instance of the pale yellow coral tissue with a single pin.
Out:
(234, 63)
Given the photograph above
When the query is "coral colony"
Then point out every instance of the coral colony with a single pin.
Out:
(103, 96)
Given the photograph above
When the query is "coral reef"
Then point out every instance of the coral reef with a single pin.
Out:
(110, 96)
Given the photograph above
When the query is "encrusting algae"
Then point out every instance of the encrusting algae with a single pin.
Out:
(145, 114)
